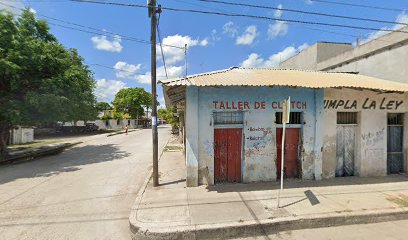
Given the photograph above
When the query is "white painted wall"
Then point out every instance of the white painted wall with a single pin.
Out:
(371, 136)
(21, 135)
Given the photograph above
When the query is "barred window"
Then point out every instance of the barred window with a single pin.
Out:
(221, 118)
(395, 119)
(294, 117)
(346, 118)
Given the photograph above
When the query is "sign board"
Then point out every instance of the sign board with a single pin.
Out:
(286, 111)
(285, 120)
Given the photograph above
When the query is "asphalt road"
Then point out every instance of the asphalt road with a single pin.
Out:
(395, 230)
(83, 193)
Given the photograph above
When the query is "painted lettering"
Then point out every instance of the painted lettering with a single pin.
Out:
(240, 105)
(215, 104)
(382, 104)
(340, 103)
(398, 103)
(390, 104)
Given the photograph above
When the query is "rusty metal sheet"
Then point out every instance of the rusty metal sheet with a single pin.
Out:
(291, 78)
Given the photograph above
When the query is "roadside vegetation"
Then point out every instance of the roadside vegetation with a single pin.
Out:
(41, 81)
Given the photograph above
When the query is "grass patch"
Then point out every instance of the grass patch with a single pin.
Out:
(173, 148)
(401, 200)
(32, 144)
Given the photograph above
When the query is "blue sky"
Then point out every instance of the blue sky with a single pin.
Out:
(215, 42)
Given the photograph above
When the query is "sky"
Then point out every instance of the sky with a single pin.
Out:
(114, 40)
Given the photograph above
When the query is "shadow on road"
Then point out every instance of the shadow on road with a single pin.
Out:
(69, 161)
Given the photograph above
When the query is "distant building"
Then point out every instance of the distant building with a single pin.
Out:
(385, 57)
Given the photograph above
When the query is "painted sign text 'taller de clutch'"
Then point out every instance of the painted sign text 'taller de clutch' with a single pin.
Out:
(244, 105)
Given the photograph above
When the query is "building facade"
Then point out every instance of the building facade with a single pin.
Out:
(384, 57)
(340, 125)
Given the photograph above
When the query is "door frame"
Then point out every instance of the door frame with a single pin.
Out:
(220, 126)
(300, 147)
(403, 143)
(230, 126)
(356, 135)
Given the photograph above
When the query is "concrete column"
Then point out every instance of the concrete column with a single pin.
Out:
(318, 136)
(373, 144)
(192, 135)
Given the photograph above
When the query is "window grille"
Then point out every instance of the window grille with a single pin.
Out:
(395, 119)
(346, 118)
(294, 117)
(221, 118)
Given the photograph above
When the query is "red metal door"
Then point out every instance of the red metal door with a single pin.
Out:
(227, 154)
(290, 169)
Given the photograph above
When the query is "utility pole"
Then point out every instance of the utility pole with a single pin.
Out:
(152, 15)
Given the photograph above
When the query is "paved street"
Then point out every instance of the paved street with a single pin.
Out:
(83, 193)
(396, 230)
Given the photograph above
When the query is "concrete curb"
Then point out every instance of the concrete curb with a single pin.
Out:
(141, 230)
(133, 223)
(38, 152)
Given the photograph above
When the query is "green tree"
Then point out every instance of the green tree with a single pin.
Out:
(169, 116)
(132, 101)
(40, 80)
(102, 106)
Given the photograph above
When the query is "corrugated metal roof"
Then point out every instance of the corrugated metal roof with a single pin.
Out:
(291, 78)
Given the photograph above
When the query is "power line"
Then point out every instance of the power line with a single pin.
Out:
(301, 11)
(359, 5)
(121, 70)
(244, 15)
(160, 42)
(98, 31)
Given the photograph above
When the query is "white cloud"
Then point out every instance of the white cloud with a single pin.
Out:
(214, 35)
(248, 37)
(107, 89)
(103, 43)
(401, 18)
(162, 102)
(278, 12)
(230, 29)
(33, 10)
(204, 42)
(279, 28)
(172, 72)
(256, 61)
(309, 2)
(174, 55)
(126, 70)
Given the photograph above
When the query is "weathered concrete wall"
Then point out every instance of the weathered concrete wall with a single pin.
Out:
(371, 134)
(389, 64)
(192, 135)
(309, 58)
(327, 50)
(259, 129)
(306, 59)
(21, 135)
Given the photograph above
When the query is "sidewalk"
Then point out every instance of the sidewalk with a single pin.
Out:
(172, 211)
